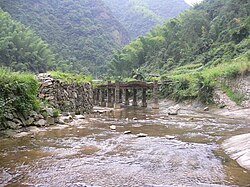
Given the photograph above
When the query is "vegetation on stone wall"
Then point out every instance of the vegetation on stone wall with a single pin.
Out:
(18, 93)
(70, 77)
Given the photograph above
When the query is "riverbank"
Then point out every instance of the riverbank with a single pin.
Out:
(237, 147)
(186, 108)
(62, 122)
(230, 111)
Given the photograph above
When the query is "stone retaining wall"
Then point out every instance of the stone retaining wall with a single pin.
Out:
(68, 97)
(241, 85)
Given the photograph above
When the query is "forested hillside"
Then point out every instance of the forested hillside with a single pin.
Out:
(21, 49)
(214, 34)
(139, 16)
(83, 33)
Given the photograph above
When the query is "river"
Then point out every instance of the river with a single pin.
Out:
(181, 150)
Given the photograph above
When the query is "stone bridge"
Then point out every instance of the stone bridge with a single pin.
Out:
(114, 94)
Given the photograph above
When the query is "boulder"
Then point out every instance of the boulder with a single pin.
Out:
(173, 111)
(19, 121)
(170, 137)
(13, 125)
(67, 119)
(206, 109)
(127, 132)
(9, 116)
(238, 148)
(48, 111)
(40, 123)
(140, 135)
(33, 113)
(38, 116)
(30, 121)
(112, 127)
(80, 117)
(60, 120)
(50, 120)
(73, 114)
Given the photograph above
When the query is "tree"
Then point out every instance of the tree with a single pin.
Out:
(21, 49)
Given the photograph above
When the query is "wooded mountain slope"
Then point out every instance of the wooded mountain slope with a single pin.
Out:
(210, 33)
(202, 46)
(21, 49)
(82, 32)
(139, 16)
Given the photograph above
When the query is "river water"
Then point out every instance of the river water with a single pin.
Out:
(89, 153)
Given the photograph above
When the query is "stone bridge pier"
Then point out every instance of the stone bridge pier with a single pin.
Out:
(118, 93)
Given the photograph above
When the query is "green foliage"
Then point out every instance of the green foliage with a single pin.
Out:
(56, 112)
(183, 86)
(21, 49)
(188, 83)
(230, 68)
(70, 77)
(139, 16)
(83, 33)
(193, 50)
(206, 89)
(17, 93)
(211, 33)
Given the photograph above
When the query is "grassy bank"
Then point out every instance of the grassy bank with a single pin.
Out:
(195, 80)
(70, 78)
(17, 93)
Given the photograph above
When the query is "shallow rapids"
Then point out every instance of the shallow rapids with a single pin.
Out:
(91, 154)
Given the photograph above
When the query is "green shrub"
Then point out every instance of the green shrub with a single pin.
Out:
(183, 86)
(56, 112)
(206, 88)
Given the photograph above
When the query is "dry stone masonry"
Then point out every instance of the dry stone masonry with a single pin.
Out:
(240, 84)
(67, 97)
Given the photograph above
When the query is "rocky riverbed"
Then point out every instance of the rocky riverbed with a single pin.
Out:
(176, 150)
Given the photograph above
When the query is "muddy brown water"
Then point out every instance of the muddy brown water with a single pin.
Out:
(90, 154)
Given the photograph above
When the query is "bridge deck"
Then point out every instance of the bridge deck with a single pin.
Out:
(127, 85)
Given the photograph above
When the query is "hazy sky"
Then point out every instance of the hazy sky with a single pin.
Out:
(190, 2)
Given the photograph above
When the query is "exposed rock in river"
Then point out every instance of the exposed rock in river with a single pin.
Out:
(127, 132)
(140, 135)
(173, 110)
(112, 127)
(238, 148)
(40, 123)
